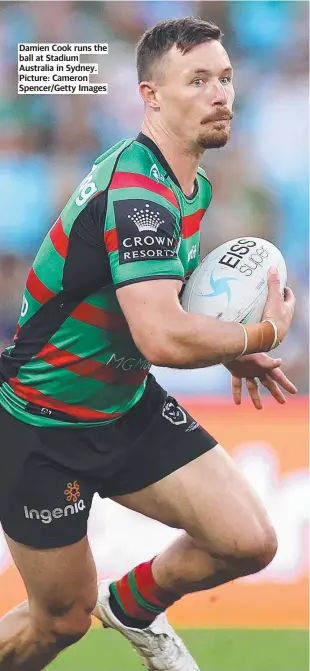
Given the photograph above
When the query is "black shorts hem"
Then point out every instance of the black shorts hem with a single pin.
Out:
(162, 467)
(42, 543)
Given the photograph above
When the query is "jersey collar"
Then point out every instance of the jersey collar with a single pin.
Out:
(144, 139)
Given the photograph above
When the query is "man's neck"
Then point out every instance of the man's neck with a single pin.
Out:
(182, 163)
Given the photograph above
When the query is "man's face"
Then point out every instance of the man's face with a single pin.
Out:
(196, 95)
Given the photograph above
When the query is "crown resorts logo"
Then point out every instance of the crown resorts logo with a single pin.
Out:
(146, 219)
(146, 230)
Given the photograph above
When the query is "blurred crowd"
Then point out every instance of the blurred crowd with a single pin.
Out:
(260, 180)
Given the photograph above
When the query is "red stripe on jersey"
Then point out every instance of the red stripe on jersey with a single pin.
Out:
(84, 312)
(89, 367)
(59, 239)
(111, 240)
(16, 332)
(191, 223)
(33, 395)
(90, 314)
(37, 289)
(122, 180)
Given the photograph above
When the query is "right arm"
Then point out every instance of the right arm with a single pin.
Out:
(168, 336)
(148, 286)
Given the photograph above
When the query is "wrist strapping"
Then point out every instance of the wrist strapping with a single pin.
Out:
(246, 340)
(261, 337)
(276, 341)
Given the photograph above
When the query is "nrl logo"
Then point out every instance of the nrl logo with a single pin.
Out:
(146, 219)
(173, 412)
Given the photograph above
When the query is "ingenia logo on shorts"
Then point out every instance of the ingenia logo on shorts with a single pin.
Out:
(72, 493)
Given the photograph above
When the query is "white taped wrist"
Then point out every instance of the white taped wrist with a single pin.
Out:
(245, 340)
(276, 341)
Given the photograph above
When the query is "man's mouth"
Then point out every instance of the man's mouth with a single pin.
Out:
(222, 118)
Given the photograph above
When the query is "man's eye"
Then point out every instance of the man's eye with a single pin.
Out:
(198, 82)
(227, 80)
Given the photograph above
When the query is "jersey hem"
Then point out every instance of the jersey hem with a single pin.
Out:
(20, 413)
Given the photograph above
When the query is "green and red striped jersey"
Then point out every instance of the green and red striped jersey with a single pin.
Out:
(73, 360)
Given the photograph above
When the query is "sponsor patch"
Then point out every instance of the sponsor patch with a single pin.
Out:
(145, 231)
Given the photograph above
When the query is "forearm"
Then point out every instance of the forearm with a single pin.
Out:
(197, 341)
(168, 336)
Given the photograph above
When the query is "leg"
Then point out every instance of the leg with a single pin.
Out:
(178, 475)
(61, 587)
(227, 535)
(227, 532)
(44, 506)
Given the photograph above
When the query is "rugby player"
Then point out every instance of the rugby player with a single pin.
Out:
(80, 412)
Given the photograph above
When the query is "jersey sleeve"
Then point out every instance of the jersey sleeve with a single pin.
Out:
(143, 236)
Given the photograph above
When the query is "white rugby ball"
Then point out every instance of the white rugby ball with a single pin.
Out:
(231, 282)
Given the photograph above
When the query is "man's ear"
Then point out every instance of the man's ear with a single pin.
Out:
(149, 94)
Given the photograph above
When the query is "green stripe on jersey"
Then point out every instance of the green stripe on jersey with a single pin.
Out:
(69, 387)
(105, 299)
(136, 270)
(48, 266)
(87, 340)
(29, 307)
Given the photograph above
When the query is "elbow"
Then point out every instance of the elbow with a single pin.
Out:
(160, 343)
(160, 352)
(160, 357)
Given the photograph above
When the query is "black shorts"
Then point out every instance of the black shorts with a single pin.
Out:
(48, 476)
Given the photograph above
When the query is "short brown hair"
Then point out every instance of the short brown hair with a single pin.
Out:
(185, 33)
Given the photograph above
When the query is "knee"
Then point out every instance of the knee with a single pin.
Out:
(256, 551)
(66, 624)
(265, 549)
(71, 627)
(245, 553)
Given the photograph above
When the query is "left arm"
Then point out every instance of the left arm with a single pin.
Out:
(257, 368)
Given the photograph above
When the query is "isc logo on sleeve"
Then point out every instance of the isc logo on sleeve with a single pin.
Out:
(24, 308)
(87, 188)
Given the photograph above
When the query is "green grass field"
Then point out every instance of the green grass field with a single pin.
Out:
(214, 650)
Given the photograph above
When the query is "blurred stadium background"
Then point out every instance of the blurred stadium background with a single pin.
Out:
(260, 187)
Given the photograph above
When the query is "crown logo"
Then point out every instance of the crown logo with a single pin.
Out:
(146, 219)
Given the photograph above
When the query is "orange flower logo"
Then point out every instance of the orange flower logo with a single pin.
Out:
(73, 491)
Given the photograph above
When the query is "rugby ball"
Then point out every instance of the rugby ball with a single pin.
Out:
(230, 283)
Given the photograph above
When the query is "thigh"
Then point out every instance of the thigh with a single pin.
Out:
(57, 579)
(209, 498)
(161, 438)
(42, 503)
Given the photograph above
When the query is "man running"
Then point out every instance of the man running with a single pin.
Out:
(80, 412)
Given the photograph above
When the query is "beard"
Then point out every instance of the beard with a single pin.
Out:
(215, 137)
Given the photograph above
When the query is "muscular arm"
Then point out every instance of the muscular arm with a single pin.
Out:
(168, 336)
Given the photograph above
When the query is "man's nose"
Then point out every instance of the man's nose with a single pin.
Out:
(219, 94)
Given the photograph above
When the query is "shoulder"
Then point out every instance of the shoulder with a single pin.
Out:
(137, 174)
(137, 158)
